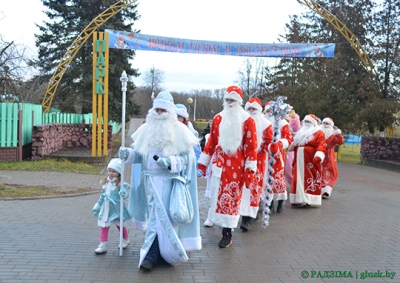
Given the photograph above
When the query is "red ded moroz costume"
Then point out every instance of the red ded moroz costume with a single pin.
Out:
(329, 166)
(231, 148)
(309, 146)
(251, 196)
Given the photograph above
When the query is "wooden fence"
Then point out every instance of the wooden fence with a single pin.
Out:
(32, 115)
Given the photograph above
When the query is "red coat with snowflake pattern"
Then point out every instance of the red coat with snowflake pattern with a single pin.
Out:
(228, 171)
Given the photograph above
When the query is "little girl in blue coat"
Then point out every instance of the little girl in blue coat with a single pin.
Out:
(107, 208)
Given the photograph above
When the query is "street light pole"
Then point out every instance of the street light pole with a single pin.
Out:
(189, 101)
(194, 112)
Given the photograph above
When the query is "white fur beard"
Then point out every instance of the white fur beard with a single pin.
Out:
(302, 134)
(231, 129)
(328, 131)
(259, 130)
(161, 130)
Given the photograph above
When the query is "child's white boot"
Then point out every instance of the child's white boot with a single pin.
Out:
(101, 249)
(125, 243)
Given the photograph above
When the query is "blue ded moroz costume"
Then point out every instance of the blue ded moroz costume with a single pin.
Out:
(150, 202)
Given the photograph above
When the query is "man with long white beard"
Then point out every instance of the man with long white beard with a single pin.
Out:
(231, 148)
(330, 171)
(284, 139)
(164, 148)
(309, 151)
(251, 195)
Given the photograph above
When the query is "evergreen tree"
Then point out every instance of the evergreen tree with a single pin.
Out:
(340, 88)
(386, 56)
(68, 19)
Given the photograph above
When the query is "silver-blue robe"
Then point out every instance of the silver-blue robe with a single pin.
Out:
(150, 201)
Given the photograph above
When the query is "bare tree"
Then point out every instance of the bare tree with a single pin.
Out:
(251, 77)
(153, 80)
(17, 70)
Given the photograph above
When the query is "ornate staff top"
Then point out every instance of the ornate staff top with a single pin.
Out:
(279, 109)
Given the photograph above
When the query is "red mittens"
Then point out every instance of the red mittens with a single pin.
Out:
(202, 168)
(316, 160)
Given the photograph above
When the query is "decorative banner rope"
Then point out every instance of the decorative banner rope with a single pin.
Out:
(279, 110)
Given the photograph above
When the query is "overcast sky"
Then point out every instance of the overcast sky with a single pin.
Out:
(250, 21)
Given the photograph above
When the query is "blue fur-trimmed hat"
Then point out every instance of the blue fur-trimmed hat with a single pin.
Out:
(181, 110)
(164, 100)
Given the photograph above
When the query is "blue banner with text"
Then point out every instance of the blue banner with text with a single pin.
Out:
(138, 41)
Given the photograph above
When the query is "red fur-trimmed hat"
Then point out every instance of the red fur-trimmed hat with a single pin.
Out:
(234, 92)
(253, 103)
(311, 118)
(328, 120)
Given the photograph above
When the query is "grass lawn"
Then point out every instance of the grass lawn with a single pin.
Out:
(349, 153)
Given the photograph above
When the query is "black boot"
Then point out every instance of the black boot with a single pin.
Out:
(245, 225)
(279, 209)
(226, 240)
(271, 208)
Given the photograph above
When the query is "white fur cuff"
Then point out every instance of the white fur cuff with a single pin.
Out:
(252, 165)
(285, 143)
(320, 154)
(204, 159)
(336, 132)
(131, 156)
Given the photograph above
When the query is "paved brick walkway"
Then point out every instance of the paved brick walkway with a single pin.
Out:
(356, 230)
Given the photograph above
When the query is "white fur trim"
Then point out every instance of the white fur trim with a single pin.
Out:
(336, 132)
(320, 154)
(234, 95)
(254, 105)
(139, 225)
(252, 165)
(245, 208)
(204, 159)
(285, 143)
(310, 119)
(174, 164)
(327, 189)
(164, 104)
(181, 112)
(131, 156)
(328, 120)
(191, 244)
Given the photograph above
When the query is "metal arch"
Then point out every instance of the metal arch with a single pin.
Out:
(75, 46)
(118, 6)
(351, 38)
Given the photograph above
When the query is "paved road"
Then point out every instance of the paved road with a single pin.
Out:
(356, 230)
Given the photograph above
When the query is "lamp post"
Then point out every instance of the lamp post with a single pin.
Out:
(189, 101)
(194, 112)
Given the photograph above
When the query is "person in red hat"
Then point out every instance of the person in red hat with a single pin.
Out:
(309, 148)
(251, 195)
(231, 148)
(278, 150)
(330, 170)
